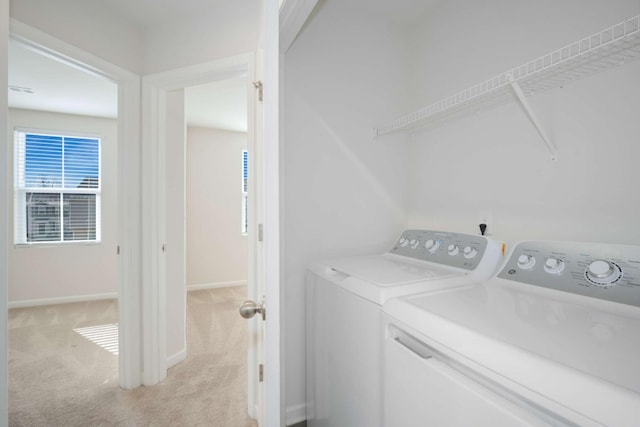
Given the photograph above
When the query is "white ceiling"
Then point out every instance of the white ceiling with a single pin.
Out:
(57, 87)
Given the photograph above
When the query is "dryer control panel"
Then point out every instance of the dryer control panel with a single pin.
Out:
(453, 249)
(604, 271)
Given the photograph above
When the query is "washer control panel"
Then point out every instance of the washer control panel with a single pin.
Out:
(452, 249)
(609, 272)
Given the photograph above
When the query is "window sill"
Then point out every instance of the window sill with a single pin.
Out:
(56, 244)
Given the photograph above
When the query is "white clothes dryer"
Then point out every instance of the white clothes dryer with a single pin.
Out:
(344, 298)
(553, 339)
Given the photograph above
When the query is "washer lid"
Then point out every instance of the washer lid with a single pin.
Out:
(597, 337)
(391, 270)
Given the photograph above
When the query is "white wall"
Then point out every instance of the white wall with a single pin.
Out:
(174, 240)
(216, 250)
(227, 29)
(495, 159)
(89, 25)
(344, 192)
(71, 270)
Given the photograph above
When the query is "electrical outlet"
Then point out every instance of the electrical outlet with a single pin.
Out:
(485, 217)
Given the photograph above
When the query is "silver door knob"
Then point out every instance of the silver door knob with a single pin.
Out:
(248, 309)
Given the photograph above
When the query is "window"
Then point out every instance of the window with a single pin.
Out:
(57, 188)
(245, 177)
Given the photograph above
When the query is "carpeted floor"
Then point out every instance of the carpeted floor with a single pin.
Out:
(59, 377)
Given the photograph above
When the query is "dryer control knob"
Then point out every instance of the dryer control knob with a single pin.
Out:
(554, 265)
(403, 242)
(453, 250)
(603, 272)
(469, 252)
(414, 243)
(526, 262)
(432, 245)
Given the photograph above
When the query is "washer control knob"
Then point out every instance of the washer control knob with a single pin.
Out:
(453, 250)
(414, 243)
(554, 265)
(601, 272)
(469, 252)
(526, 262)
(432, 245)
(403, 242)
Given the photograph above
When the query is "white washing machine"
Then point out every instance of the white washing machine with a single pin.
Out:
(553, 339)
(344, 298)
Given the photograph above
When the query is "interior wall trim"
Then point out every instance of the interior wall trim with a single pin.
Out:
(61, 300)
(174, 359)
(215, 285)
(296, 414)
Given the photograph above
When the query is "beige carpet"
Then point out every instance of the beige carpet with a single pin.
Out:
(58, 377)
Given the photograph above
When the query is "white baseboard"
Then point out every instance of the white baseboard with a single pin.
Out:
(202, 286)
(296, 414)
(176, 358)
(61, 300)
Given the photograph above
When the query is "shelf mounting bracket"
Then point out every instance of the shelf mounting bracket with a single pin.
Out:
(534, 119)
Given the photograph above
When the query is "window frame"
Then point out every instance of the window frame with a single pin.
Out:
(21, 189)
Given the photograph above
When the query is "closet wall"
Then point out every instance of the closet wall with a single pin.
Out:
(344, 193)
(494, 159)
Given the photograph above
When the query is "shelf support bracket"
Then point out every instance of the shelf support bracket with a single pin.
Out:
(534, 119)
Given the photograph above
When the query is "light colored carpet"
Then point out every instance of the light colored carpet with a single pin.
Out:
(58, 377)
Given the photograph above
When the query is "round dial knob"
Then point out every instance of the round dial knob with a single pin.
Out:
(414, 243)
(469, 252)
(453, 250)
(403, 242)
(554, 265)
(603, 272)
(432, 245)
(526, 261)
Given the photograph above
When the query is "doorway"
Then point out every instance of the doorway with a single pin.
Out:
(216, 240)
(63, 270)
(164, 159)
(123, 179)
(216, 184)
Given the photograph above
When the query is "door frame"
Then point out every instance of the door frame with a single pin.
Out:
(154, 92)
(129, 272)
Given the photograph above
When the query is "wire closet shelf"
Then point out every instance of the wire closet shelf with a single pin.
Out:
(609, 48)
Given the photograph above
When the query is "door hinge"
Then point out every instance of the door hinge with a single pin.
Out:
(260, 373)
(118, 250)
(260, 233)
(258, 86)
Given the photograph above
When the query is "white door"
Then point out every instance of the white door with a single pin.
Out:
(263, 309)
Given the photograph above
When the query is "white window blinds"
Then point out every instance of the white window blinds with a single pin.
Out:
(245, 178)
(56, 188)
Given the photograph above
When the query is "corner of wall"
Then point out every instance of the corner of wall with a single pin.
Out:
(296, 414)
